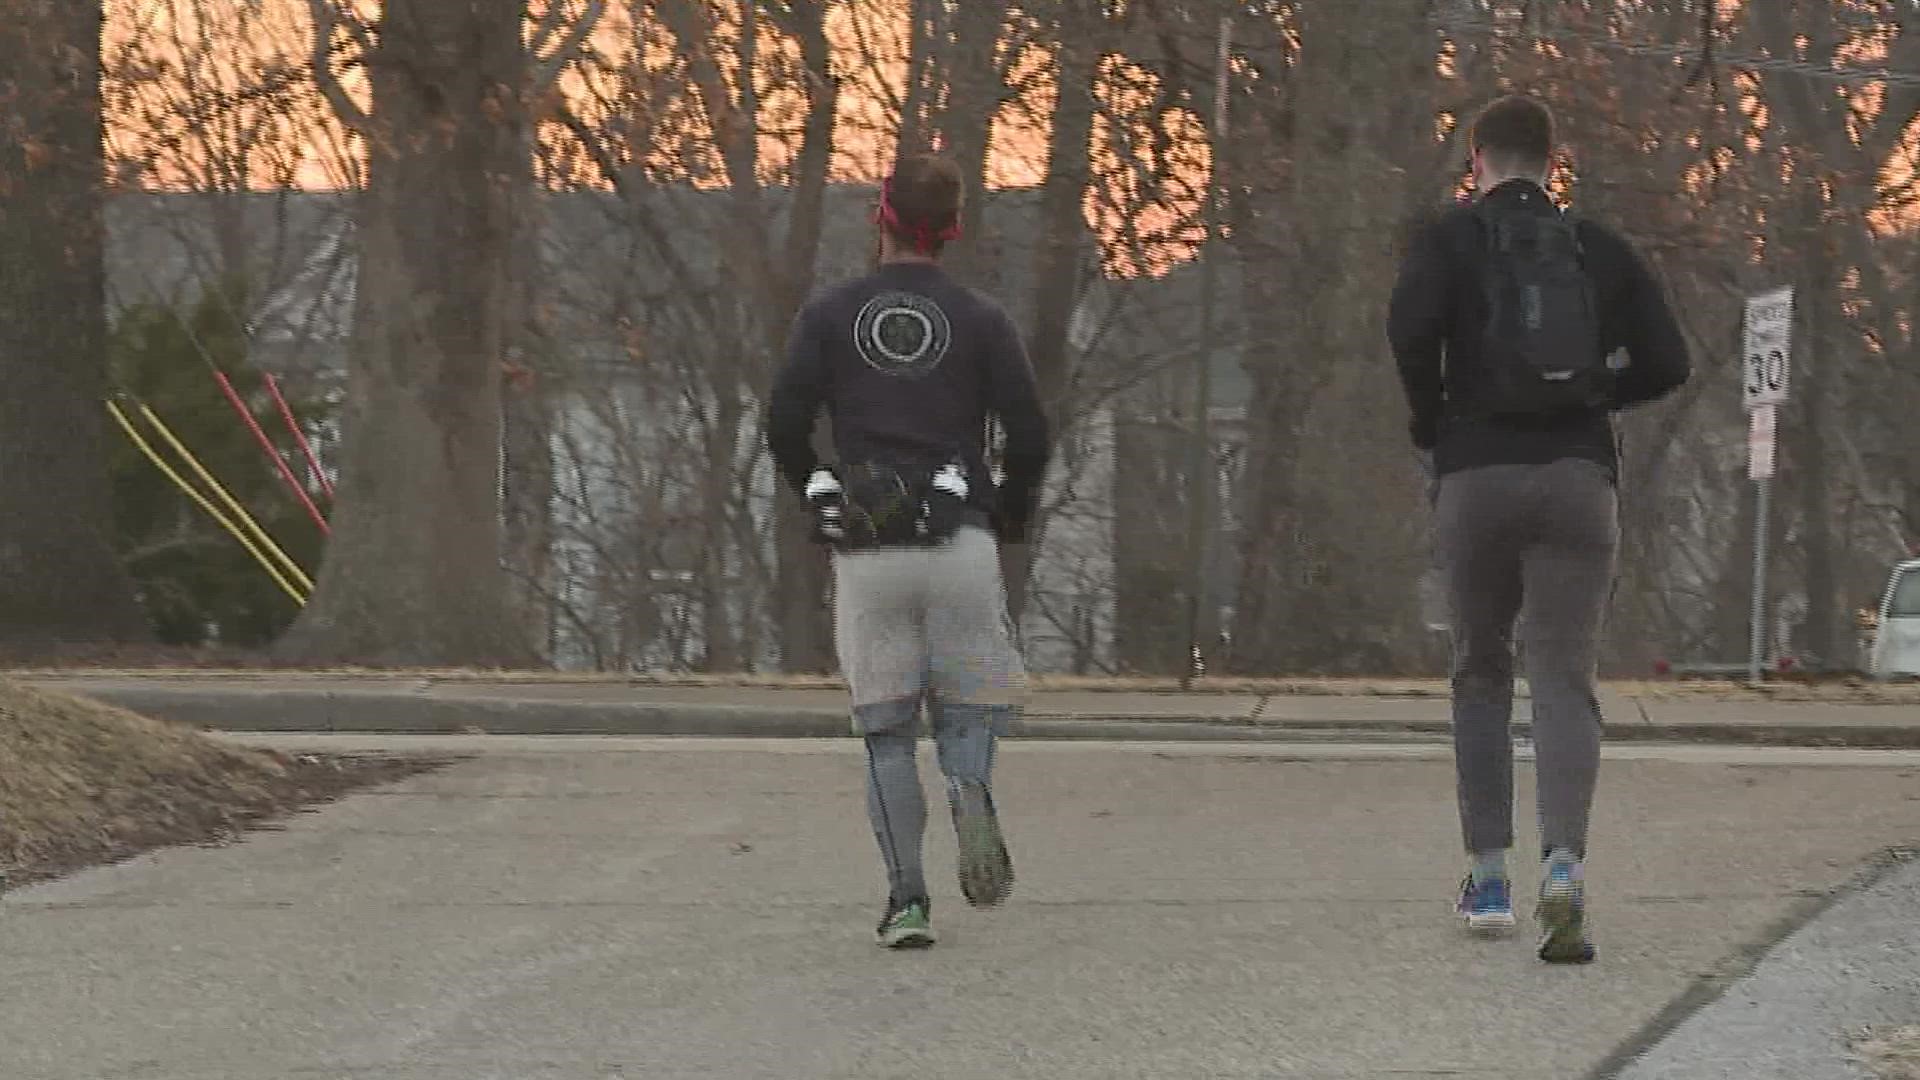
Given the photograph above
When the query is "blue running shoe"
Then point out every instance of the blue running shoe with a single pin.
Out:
(1563, 915)
(1487, 905)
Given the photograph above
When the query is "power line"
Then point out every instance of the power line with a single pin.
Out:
(1840, 75)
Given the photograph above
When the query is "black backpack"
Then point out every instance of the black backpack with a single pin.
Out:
(1541, 352)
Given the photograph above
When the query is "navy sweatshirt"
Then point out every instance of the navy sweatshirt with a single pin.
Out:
(1434, 325)
(909, 365)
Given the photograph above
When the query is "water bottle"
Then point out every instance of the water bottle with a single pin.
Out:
(827, 496)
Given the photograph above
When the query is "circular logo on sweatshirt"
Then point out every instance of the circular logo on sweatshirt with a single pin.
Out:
(902, 334)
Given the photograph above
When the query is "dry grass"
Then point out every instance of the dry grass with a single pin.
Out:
(1855, 691)
(83, 783)
(161, 662)
(1891, 1055)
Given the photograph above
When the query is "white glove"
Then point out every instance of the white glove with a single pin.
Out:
(949, 480)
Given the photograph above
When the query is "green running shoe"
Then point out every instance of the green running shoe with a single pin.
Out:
(1562, 913)
(986, 871)
(907, 925)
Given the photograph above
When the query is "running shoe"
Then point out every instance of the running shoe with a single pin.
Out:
(1563, 915)
(1486, 905)
(907, 925)
(986, 871)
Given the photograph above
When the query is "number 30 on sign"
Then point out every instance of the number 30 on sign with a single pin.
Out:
(1769, 347)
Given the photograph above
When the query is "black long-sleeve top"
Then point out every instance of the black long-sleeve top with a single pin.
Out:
(909, 365)
(1434, 325)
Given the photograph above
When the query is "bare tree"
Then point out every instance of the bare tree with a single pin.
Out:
(1079, 31)
(59, 579)
(413, 573)
(722, 178)
(636, 230)
(1335, 112)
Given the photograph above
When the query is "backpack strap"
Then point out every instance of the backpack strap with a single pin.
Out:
(1483, 221)
(1578, 226)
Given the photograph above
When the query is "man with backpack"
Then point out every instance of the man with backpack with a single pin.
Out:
(1518, 330)
(910, 366)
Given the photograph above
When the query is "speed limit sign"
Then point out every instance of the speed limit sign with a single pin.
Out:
(1768, 347)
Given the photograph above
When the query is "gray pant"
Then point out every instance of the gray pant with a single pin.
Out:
(925, 625)
(1535, 543)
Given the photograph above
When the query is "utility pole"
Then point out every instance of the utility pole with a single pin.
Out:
(1201, 473)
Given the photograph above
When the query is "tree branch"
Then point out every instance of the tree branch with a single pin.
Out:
(597, 151)
(548, 71)
(792, 18)
(623, 180)
(691, 25)
(326, 19)
(548, 27)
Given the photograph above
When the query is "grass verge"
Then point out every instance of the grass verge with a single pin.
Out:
(82, 784)
(1835, 691)
(1890, 1055)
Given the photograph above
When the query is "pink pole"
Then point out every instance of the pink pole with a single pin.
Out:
(300, 437)
(267, 445)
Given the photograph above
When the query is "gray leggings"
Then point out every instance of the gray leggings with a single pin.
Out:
(928, 626)
(1535, 543)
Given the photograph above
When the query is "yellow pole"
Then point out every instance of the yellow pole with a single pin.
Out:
(233, 505)
(212, 510)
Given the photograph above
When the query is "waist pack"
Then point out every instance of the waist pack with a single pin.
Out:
(899, 505)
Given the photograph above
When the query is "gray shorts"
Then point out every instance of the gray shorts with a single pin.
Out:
(925, 623)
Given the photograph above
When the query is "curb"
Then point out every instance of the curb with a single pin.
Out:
(388, 712)
(399, 714)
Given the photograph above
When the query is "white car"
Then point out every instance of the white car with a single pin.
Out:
(1896, 642)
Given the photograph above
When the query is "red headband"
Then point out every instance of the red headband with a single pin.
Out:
(926, 240)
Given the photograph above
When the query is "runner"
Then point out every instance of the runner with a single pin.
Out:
(1505, 323)
(910, 366)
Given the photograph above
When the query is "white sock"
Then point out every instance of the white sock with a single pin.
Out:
(1565, 857)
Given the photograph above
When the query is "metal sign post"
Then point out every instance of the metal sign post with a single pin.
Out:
(1761, 436)
(1768, 368)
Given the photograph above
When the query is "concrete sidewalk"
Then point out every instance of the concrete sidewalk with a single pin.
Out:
(398, 704)
(1855, 967)
(585, 909)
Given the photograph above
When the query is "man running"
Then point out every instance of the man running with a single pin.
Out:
(1507, 323)
(910, 366)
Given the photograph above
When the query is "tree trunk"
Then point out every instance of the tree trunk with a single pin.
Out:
(974, 86)
(527, 404)
(925, 16)
(413, 574)
(721, 650)
(529, 525)
(1056, 281)
(1730, 618)
(1150, 462)
(1820, 361)
(806, 631)
(1347, 142)
(60, 582)
(1820, 127)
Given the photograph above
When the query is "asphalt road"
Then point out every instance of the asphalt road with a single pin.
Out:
(596, 908)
